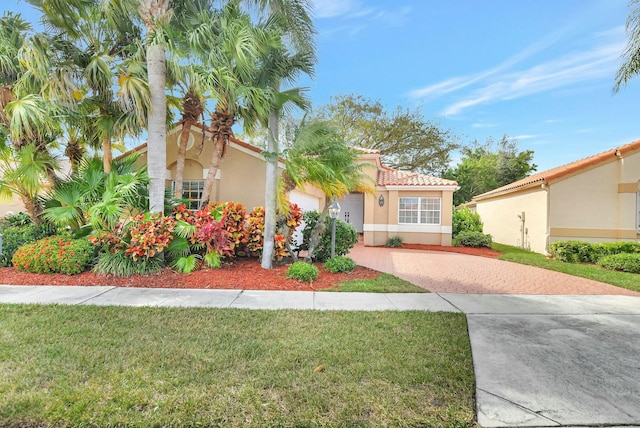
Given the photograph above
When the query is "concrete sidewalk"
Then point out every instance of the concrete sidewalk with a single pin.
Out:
(244, 299)
(539, 360)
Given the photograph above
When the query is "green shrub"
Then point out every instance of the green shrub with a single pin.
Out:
(602, 249)
(54, 254)
(303, 272)
(15, 237)
(573, 251)
(624, 262)
(465, 221)
(346, 236)
(17, 219)
(339, 264)
(473, 239)
(120, 264)
(394, 241)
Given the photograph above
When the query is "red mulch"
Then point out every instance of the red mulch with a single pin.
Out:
(481, 252)
(245, 274)
(242, 274)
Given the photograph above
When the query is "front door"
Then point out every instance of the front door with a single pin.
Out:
(352, 210)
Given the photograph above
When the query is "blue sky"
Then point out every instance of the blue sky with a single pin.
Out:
(539, 71)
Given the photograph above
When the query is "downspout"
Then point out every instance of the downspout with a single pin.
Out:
(546, 188)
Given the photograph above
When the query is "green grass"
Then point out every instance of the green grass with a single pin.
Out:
(385, 283)
(113, 366)
(621, 279)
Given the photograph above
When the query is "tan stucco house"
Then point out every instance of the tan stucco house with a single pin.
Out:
(596, 199)
(414, 206)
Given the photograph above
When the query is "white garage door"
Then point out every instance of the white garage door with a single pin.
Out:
(307, 203)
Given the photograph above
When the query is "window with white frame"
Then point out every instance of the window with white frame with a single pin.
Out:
(191, 190)
(419, 210)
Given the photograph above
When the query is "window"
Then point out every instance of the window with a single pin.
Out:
(419, 210)
(191, 190)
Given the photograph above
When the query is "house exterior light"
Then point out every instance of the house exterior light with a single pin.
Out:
(381, 201)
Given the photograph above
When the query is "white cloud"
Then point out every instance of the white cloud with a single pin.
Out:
(582, 67)
(355, 10)
(484, 125)
(331, 8)
(525, 137)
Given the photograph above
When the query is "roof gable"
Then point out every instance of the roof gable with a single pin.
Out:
(564, 171)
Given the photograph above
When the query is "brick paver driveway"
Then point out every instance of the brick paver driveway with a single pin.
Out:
(443, 272)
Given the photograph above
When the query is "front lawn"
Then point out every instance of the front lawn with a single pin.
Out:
(629, 281)
(115, 366)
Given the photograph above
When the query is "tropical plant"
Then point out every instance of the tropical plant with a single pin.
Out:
(631, 56)
(54, 254)
(318, 156)
(282, 64)
(14, 237)
(91, 199)
(346, 236)
(339, 264)
(120, 264)
(394, 241)
(466, 221)
(473, 239)
(23, 173)
(303, 272)
(200, 236)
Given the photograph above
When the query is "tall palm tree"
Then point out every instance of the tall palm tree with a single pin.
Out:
(283, 64)
(631, 55)
(155, 15)
(227, 73)
(318, 156)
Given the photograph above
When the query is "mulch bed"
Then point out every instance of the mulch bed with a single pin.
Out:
(241, 274)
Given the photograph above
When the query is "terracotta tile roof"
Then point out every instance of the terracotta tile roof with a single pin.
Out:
(393, 177)
(564, 170)
(366, 150)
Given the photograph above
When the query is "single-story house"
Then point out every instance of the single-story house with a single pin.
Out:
(414, 206)
(596, 199)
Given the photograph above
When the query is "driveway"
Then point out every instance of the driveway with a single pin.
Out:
(444, 272)
(549, 349)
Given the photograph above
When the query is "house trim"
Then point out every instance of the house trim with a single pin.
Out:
(415, 187)
(415, 228)
(569, 232)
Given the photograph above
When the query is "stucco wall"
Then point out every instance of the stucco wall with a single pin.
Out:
(500, 218)
(598, 204)
(382, 222)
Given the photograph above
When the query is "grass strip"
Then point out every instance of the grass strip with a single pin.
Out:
(629, 281)
(385, 283)
(115, 366)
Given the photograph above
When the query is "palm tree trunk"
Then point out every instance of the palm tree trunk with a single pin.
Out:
(318, 231)
(107, 154)
(271, 184)
(182, 154)
(157, 127)
(218, 153)
(33, 207)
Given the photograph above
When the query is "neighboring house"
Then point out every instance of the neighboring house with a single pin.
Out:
(416, 207)
(595, 199)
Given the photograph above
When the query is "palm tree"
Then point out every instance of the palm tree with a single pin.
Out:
(23, 172)
(284, 63)
(155, 14)
(227, 73)
(319, 156)
(631, 55)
